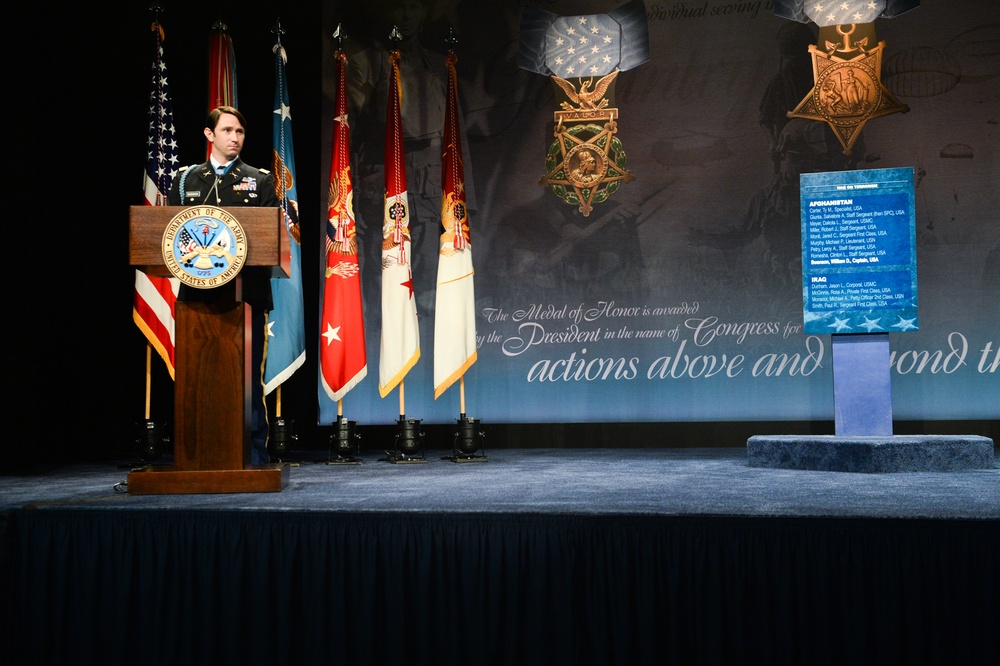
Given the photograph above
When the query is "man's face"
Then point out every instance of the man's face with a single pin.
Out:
(227, 138)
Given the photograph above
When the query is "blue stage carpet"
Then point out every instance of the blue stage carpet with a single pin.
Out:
(554, 557)
(704, 481)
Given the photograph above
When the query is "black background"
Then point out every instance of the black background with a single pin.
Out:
(79, 94)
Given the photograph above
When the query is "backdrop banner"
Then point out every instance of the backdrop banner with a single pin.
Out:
(678, 296)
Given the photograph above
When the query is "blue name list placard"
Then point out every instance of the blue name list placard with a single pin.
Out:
(859, 270)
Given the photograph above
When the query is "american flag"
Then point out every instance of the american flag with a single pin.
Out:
(155, 297)
(185, 242)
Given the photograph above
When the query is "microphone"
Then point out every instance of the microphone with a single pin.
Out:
(215, 188)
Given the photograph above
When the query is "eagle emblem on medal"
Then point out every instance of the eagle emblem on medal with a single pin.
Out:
(583, 55)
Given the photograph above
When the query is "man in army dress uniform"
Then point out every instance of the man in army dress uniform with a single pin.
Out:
(224, 180)
(227, 181)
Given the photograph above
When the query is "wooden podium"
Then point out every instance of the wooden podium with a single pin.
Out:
(212, 364)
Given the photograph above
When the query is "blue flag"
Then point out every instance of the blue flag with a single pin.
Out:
(285, 349)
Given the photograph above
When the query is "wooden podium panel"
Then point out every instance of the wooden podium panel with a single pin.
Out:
(212, 409)
(212, 361)
(170, 481)
(268, 246)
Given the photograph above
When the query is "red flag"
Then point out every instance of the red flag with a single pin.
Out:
(155, 297)
(221, 70)
(342, 350)
(455, 304)
(400, 344)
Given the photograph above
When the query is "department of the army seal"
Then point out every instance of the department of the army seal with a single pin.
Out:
(204, 247)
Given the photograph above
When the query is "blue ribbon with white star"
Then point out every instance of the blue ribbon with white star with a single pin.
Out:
(585, 45)
(841, 12)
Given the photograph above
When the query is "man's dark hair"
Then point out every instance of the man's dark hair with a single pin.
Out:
(216, 113)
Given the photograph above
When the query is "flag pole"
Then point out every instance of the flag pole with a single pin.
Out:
(342, 360)
(454, 324)
(400, 331)
(149, 376)
(461, 393)
(282, 431)
(402, 399)
(285, 349)
(156, 184)
(152, 437)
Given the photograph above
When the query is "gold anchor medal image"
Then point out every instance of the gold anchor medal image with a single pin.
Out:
(848, 90)
(583, 56)
(586, 163)
(204, 247)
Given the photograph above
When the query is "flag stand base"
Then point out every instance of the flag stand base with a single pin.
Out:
(409, 443)
(281, 434)
(151, 440)
(344, 441)
(468, 446)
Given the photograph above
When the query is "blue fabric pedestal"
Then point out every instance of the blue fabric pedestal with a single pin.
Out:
(898, 453)
(862, 389)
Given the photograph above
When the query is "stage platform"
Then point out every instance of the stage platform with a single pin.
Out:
(534, 556)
